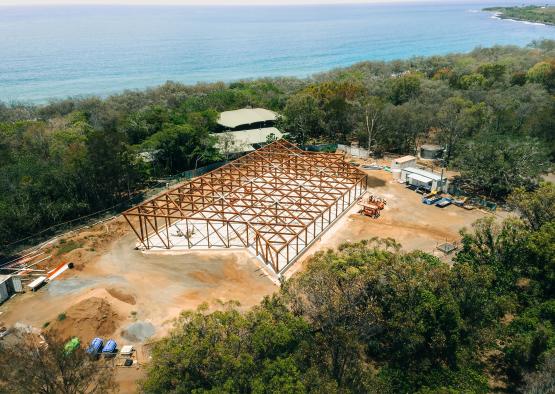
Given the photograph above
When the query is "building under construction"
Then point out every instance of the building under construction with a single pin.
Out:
(274, 201)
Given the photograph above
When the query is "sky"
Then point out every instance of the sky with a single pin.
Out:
(194, 2)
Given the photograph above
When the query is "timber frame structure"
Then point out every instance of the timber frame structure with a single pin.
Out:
(274, 201)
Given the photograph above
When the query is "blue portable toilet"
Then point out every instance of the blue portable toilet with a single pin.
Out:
(95, 346)
(110, 347)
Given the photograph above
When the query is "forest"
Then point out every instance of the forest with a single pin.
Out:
(493, 110)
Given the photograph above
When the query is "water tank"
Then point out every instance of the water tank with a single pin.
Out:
(110, 346)
(95, 346)
(430, 152)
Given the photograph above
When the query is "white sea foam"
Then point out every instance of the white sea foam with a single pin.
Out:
(525, 22)
(534, 23)
(497, 15)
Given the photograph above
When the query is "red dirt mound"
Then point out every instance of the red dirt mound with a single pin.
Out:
(87, 319)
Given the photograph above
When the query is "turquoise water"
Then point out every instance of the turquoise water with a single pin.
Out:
(59, 51)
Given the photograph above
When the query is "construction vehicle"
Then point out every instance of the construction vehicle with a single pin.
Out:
(372, 206)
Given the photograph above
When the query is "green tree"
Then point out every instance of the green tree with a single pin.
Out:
(499, 247)
(372, 120)
(497, 164)
(302, 118)
(404, 87)
(543, 73)
(472, 81)
(492, 71)
(537, 207)
(357, 301)
(460, 118)
(542, 381)
(226, 351)
(182, 146)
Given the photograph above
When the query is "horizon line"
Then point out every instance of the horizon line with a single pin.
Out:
(217, 3)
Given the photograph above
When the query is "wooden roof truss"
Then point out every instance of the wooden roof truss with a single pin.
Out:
(274, 201)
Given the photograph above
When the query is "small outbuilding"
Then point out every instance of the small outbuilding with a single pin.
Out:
(9, 285)
(423, 179)
(403, 162)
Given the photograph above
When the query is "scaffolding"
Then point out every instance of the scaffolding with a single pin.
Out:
(274, 201)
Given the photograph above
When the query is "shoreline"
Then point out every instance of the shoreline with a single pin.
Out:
(501, 16)
(527, 14)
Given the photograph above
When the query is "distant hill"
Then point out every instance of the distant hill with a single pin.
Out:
(532, 13)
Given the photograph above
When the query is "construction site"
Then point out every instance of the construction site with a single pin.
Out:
(228, 235)
(275, 202)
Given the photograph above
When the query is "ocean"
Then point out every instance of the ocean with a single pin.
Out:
(51, 52)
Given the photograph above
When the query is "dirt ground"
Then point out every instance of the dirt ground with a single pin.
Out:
(405, 218)
(121, 293)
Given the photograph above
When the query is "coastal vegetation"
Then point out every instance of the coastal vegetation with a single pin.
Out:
(369, 318)
(531, 13)
(77, 156)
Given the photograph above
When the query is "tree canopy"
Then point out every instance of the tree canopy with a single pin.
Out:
(72, 157)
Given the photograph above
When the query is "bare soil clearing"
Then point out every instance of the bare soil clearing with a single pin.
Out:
(414, 225)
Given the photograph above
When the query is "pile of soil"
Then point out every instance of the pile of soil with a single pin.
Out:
(121, 295)
(87, 319)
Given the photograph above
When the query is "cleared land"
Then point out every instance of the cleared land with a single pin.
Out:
(413, 224)
(122, 293)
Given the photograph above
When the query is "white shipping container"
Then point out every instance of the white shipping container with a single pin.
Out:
(4, 295)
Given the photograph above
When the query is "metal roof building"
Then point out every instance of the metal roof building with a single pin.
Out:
(246, 129)
(246, 116)
(424, 179)
(275, 202)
